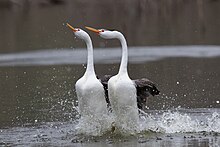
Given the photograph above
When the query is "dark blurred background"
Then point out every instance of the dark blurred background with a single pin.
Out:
(40, 24)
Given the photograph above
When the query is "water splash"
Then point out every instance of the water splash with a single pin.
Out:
(152, 124)
(97, 126)
(164, 122)
(178, 122)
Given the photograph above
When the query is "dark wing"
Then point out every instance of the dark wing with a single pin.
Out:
(104, 81)
(145, 88)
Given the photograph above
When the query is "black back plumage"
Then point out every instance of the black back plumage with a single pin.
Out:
(144, 88)
(104, 81)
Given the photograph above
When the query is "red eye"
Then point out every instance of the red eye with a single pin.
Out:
(102, 30)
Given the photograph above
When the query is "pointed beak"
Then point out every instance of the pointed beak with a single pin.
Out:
(93, 30)
(72, 28)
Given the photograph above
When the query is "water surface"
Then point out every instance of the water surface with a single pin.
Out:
(39, 105)
(40, 61)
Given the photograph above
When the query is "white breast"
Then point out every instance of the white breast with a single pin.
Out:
(122, 96)
(91, 97)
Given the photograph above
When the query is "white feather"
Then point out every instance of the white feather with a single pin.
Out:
(122, 91)
(91, 96)
(89, 90)
(122, 96)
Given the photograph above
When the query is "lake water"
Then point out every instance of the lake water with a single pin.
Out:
(38, 101)
(173, 43)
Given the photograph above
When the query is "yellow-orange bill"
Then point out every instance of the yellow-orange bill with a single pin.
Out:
(92, 29)
(72, 28)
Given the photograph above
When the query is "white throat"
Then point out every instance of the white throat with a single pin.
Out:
(90, 64)
(124, 58)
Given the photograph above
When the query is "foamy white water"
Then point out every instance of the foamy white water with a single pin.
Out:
(105, 55)
(198, 120)
(178, 121)
(185, 122)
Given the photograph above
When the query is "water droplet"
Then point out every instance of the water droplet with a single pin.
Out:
(84, 66)
(35, 120)
(177, 83)
(217, 102)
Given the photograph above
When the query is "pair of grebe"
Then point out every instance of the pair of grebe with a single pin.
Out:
(122, 94)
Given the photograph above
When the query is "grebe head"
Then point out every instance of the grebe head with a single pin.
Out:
(78, 32)
(106, 34)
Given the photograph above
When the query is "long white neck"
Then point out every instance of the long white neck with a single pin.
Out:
(124, 58)
(90, 65)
